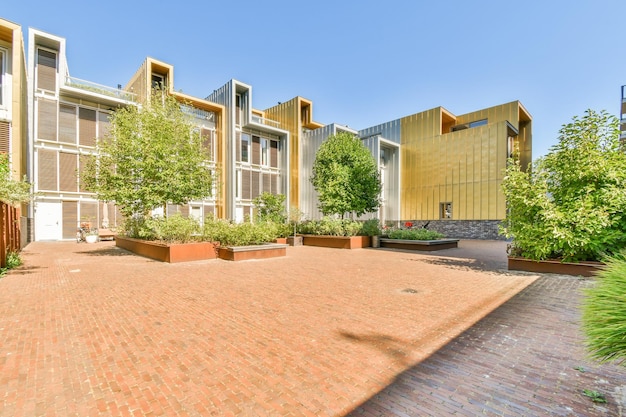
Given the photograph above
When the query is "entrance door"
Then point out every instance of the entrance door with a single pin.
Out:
(48, 221)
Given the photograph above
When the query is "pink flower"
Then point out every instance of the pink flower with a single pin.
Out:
(408, 224)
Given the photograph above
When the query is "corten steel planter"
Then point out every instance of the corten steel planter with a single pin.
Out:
(172, 253)
(242, 253)
(585, 269)
(420, 245)
(339, 242)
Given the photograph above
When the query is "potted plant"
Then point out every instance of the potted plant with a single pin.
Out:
(92, 235)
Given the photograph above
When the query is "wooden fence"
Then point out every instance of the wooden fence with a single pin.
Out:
(9, 231)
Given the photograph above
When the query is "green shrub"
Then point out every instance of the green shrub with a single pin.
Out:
(570, 205)
(604, 312)
(241, 234)
(371, 228)
(13, 260)
(329, 226)
(173, 229)
(414, 234)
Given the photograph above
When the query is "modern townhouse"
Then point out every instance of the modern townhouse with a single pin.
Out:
(437, 168)
(13, 106)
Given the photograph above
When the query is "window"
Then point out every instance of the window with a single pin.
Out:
(445, 210)
(46, 70)
(245, 148)
(478, 123)
(510, 147)
(158, 81)
(238, 111)
(264, 153)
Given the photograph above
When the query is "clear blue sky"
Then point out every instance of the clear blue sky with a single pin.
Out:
(361, 62)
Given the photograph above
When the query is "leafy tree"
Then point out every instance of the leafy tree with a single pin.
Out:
(152, 156)
(11, 191)
(346, 177)
(270, 207)
(570, 205)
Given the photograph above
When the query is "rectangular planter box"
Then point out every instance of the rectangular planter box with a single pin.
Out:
(175, 252)
(339, 242)
(242, 253)
(421, 245)
(585, 269)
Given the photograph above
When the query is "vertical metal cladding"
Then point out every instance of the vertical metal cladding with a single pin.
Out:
(288, 113)
(457, 165)
(310, 143)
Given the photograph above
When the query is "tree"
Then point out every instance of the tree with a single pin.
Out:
(152, 156)
(270, 207)
(346, 177)
(11, 191)
(570, 205)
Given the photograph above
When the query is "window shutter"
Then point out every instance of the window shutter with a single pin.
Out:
(47, 173)
(46, 70)
(70, 219)
(238, 142)
(5, 137)
(266, 183)
(47, 119)
(67, 123)
(87, 127)
(256, 176)
(68, 180)
(245, 184)
(104, 125)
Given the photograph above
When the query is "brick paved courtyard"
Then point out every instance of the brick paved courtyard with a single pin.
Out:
(90, 330)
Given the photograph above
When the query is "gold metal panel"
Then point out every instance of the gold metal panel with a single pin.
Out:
(464, 167)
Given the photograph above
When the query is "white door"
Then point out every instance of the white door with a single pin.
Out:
(48, 221)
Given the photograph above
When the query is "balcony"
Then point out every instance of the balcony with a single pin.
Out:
(100, 89)
(264, 121)
(198, 113)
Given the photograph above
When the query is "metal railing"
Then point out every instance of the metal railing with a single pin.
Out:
(100, 89)
(198, 113)
(265, 121)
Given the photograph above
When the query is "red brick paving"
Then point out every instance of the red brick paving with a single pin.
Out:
(90, 330)
(526, 358)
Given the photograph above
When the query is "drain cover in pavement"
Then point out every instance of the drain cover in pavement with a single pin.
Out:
(410, 290)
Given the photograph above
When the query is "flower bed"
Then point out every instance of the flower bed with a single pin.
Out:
(168, 252)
